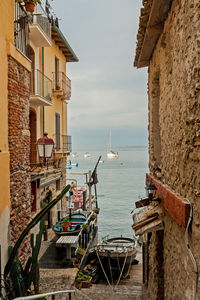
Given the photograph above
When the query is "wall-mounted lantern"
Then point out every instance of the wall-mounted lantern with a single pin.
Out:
(151, 189)
(45, 147)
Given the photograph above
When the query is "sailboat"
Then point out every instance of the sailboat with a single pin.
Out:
(110, 152)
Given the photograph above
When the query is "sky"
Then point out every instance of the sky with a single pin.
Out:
(108, 93)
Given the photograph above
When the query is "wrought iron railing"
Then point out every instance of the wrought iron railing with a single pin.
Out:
(41, 85)
(21, 31)
(61, 83)
(67, 143)
(63, 143)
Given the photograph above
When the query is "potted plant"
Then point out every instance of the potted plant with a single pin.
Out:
(29, 4)
(84, 281)
(66, 223)
(94, 216)
(80, 252)
(85, 227)
(96, 210)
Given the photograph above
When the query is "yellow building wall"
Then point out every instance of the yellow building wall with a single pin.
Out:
(58, 106)
(6, 36)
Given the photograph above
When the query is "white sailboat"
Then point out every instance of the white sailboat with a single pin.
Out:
(110, 153)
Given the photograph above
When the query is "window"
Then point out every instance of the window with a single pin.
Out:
(58, 185)
(57, 132)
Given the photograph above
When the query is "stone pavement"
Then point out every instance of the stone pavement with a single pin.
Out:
(62, 279)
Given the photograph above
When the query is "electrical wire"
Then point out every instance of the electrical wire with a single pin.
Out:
(190, 252)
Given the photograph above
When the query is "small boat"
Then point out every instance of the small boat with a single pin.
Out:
(70, 225)
(69, 167)
(87, 154)
(74, 155)
(116, 254)
(74, 164)
(110, 153)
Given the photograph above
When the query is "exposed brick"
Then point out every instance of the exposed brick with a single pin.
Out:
(19, 147)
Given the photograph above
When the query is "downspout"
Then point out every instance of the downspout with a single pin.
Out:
(43, 105)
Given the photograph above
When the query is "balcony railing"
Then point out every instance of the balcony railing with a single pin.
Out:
(40, 29)
(21, 30)
(43, 22)
(63, 143)
(62, 85)
(67, 143)
(41, 87)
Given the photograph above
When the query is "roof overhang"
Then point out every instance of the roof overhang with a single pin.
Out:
(63, 45)
(151, 24)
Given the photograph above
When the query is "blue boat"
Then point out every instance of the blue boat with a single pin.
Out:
(70, 225)
(74, 164)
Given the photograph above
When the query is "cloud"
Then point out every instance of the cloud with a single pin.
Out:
(107, 92)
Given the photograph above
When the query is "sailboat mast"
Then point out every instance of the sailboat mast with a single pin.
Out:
(109, 144)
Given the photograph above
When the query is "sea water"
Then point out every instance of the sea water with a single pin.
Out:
(121, 182)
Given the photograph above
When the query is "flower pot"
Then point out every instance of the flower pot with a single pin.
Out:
(86, 284)
(30, 6)
(79, 255)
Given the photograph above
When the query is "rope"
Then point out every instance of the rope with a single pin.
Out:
(125, 276)
(103, 269)
(190, 252)
(122, 270)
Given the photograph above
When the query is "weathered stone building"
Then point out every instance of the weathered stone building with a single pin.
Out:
(169, 45)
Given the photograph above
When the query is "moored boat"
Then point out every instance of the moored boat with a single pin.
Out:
(116, 254)
(70, 225)
(110, 153)
(87, 155)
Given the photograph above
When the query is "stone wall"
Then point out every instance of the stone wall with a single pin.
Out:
(174, 139)
(19, 147)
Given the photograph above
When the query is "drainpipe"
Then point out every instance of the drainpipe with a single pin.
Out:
(43, 105)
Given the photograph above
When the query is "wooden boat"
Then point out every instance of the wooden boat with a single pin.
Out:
(72, 226)
(116, 254)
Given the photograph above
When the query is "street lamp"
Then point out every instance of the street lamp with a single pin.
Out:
(45, 147)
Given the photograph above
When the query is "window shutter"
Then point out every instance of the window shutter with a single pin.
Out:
(57, 131)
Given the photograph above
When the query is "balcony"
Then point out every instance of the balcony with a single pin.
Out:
(21, 31)
(41, 89)
(40, 30)
(61, 86)
(63, 143)
(67, 143)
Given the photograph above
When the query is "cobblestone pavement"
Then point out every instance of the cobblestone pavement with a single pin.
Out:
(54, 279)
(62, 279)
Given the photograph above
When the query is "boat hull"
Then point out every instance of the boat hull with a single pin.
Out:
(116, 255)
(112, 154)
(77, 220)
